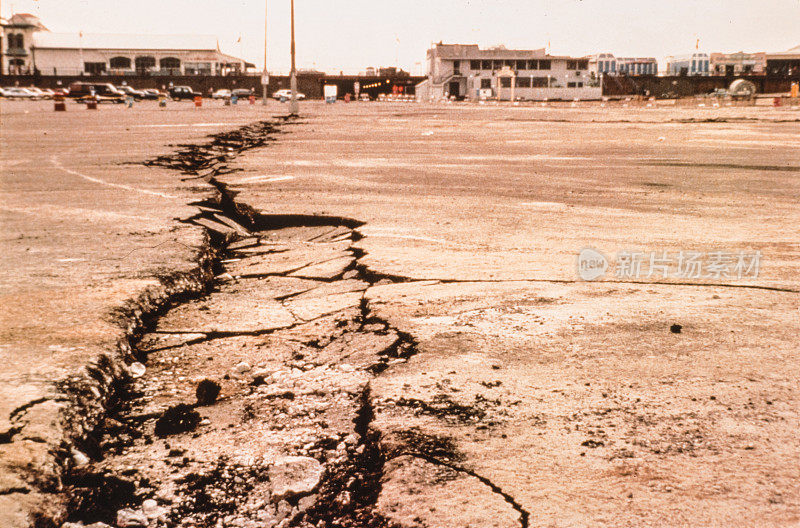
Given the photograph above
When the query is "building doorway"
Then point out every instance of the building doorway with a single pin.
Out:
(455, 89)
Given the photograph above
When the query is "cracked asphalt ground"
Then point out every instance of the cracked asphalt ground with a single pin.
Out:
(429, 345)
(85, 228)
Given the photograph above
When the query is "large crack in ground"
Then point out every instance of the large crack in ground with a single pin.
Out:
(252, 403)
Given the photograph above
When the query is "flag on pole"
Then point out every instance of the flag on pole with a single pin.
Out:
(697, 45)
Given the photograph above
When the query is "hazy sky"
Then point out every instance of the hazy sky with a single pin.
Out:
(350, 35)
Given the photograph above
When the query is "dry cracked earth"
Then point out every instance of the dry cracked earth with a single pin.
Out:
(314, 379)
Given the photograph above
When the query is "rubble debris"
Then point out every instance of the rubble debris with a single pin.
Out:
(152, 510)
(177, 419)
(216, 227)
(294, 476)
(137, 370)
(79, 458)
(233, 225)
(242, 367)
(129, 518)
(207, 392)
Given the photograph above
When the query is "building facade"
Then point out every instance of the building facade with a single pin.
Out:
(739, 63)
(17, 40)
(31, 48)
(608, 64)
(464, 71)
(695, 65)
(784, 63)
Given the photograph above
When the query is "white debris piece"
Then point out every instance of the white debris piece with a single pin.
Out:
(137, 370)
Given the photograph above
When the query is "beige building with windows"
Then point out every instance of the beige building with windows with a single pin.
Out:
(30, 47)
(467, 72)
(739, 63)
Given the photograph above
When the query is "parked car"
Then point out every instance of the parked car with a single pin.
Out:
(15, 92)
(287, 94)
(151, 93)
(242, 93)
(224, 93)
(183, 92)
(104, 92)
(39, 93)
(137, 95)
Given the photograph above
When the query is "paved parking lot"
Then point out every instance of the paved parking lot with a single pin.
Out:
(581, 401)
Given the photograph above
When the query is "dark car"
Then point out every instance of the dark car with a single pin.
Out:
(103, 92)
(138, 95)
(183, 92)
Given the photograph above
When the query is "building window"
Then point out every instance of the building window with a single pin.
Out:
(474, 65)
(197, 68)
(571, 85)
(505, 82)
(486, 84)
(544, 64)
(145, 63)
(533, 65)
(522, 65)
(523, 82)
(457, 67)
(583, 64)
(572, 65)
(170, 65)
(119, 63)
(16, 42)
(94, 68)
(539, 82)
(17, 66)
(486, 65)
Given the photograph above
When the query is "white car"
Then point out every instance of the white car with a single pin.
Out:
(221, 94)
(37, 92)
(287, 94)
(15, 92)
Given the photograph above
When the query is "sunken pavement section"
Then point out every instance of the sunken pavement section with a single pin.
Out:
(240, 394)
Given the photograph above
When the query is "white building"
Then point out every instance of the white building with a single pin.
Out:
(31, 47)
(696, 64)
(608, 64)
(468, 72)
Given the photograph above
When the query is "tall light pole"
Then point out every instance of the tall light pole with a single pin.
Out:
(293, 106)
(265, 75)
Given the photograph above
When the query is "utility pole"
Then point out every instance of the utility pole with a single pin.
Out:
(293, 106)
(2, 44)
(265, 75)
